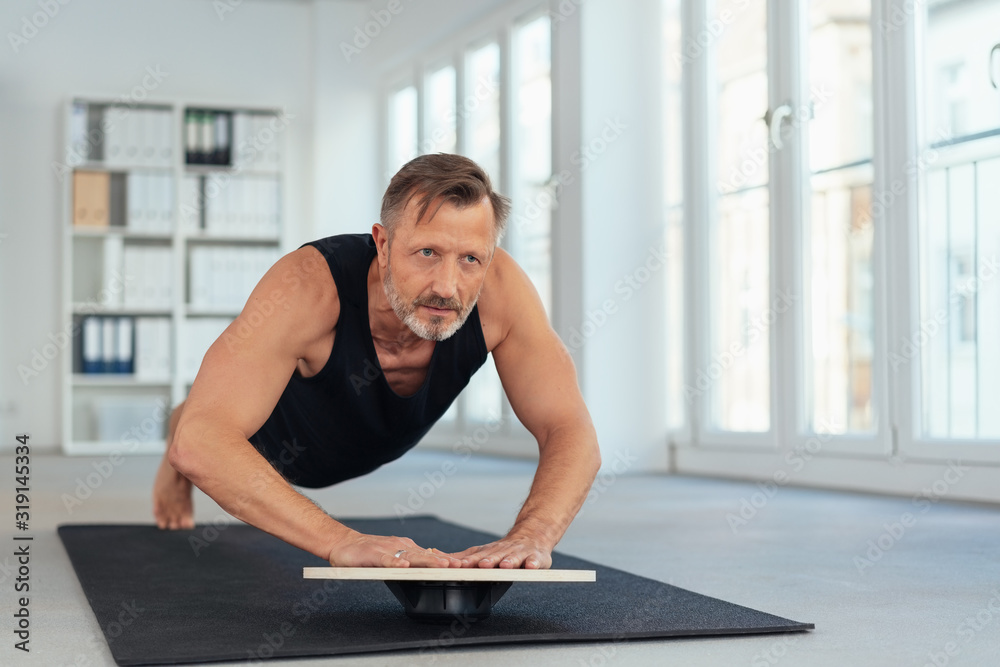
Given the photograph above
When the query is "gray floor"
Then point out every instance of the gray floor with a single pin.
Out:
(805, 555)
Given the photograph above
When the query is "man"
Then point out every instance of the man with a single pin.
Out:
(347, 352)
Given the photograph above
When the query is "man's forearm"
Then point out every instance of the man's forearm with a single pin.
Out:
(568, 463)
(230, 471)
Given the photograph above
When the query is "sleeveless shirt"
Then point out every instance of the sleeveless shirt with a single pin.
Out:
(346, 420)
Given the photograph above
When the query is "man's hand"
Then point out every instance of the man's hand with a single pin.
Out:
(509, 553)
(360, 550)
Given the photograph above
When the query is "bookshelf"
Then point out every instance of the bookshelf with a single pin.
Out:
(172, 212)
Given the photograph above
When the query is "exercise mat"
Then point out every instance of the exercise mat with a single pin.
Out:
(232, 592)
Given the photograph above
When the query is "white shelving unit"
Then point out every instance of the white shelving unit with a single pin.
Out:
(213, 229)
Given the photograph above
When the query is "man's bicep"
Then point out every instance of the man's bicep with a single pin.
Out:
(535, 367)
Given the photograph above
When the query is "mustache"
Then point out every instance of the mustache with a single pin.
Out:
(438, 302)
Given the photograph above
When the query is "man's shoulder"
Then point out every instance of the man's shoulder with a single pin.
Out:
(507, 290)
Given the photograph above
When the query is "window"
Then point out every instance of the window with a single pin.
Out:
(509, 133)
(851, 235)
(402, 131)
(959, 315)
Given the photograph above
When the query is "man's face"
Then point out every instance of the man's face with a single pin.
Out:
(435, 269)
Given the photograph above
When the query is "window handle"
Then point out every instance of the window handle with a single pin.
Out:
(993, 70)
(774, 120)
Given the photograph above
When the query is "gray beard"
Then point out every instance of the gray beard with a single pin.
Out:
(436, 330)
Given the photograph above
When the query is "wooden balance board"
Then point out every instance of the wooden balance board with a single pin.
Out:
(443, 595)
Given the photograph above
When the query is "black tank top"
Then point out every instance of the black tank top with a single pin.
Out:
(346, 420)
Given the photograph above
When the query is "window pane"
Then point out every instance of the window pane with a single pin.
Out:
(838, 257)
(738, 371)
(482, 106)
(839, 328)
(402, 128)
(960, 301)
(673, 202)
(439, 127)
(481, 111)
(960, 62)
(529, 232)
(959, 223)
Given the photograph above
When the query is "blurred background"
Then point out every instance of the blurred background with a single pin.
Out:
(768, 232)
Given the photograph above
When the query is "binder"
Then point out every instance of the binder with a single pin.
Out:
(114, 249)
(163, 139)
(221, 153)
(240, 141)
(91, 194)
(166, 206)
(123, 356)
(113, 125)
(92, 346)
(109, 344)
(190, 202)
(191, 137)
(137, 195)
(78, 141)
(132, 121)
(206, 136)
(152, 349)
(148, 146)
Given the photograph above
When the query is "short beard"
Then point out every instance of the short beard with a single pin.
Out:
(436, 329)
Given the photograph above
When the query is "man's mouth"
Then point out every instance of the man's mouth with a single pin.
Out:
(440, 312)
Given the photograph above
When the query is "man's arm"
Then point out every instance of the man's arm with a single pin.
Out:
(291, 311)
(540, 381)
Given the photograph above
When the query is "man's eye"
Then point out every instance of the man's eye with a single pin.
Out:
(426, 252)
(471, 259)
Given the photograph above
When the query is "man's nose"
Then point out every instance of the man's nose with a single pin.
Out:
(445, 280)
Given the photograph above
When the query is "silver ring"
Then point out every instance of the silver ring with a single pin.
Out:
(400, 553)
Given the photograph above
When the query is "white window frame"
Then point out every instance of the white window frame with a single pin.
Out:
(895, 458)
(511, 438)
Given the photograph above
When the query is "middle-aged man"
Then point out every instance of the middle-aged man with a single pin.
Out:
(350, 348)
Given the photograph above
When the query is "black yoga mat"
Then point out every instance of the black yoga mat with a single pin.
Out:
(236, 593)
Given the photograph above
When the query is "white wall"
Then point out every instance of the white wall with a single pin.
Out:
(623, 273)
(258, 54)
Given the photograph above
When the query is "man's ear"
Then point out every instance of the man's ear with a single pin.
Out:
(381, 237)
